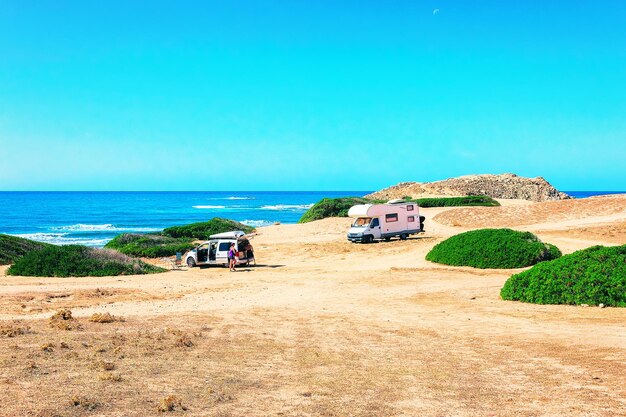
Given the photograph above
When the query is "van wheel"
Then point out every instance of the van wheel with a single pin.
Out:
(404, 236)
(191, 263)
(368, 239)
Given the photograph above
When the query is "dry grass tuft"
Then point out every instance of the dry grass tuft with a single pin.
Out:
(13, 330)
(48, 347)
(184, 341)
(171, 403)
(219, 396)
(84, 402)
(100, 293)
(63, 320)
(106, 366)
(105, 318)
(110, 376)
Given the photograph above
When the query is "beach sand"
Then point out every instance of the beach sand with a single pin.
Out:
(323, 327)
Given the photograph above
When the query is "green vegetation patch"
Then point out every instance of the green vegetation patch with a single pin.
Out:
(149, 245)
(338, 207)
(470, 200)
(203, 230)
(332, 207)
(593, 276)
(12, 248)
(78, 261)
(493, 248)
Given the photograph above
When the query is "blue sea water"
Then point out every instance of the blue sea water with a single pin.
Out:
(94, 218)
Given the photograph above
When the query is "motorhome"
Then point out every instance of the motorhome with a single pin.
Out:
(215, 250)
(384, 221)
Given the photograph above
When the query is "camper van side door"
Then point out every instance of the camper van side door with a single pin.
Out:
(222, 250)
(375, 228)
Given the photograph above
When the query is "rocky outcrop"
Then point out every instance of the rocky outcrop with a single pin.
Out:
(507, 186)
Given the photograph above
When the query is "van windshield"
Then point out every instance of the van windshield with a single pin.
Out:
(362, 222)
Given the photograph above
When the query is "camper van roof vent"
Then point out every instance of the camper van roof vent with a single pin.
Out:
(396, 201)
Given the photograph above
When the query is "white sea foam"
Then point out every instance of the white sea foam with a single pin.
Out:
(103, 228)
(288, 207)
(62, 239)
(257, 223)
(209, 207)
(240, 198)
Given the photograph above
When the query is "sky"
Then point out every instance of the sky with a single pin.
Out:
(309, 95)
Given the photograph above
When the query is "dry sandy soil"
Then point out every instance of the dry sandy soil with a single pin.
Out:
(322, 327)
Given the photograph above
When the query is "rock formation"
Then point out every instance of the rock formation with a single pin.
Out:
(507, 186)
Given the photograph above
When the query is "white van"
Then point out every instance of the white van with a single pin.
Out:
(384, 221)
(215, 250)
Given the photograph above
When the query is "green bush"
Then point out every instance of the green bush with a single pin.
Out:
(205, 229)
(338, 207)
(596, 275)
(12, 247)
(78, 261)
(331, 207)
(493, 248)
(149, 245)
(470, 200)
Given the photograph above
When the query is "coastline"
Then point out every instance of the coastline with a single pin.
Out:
(320, 322)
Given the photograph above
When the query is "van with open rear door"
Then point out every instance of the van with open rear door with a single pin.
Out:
(215, 250)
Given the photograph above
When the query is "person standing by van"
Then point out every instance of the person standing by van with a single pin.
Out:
(232, 257)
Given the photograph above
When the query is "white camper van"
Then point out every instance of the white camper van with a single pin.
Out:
(384, 221)
(215, 250)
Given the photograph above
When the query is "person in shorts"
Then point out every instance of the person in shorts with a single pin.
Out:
(232, 257)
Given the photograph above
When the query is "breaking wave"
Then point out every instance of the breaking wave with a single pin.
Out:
(257, 223)
(209, 207)
(103, 228)
(288, 207)
(64, 239)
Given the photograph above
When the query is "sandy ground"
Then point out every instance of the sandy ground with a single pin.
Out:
(322, 327)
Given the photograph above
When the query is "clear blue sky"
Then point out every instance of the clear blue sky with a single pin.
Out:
(309, 95)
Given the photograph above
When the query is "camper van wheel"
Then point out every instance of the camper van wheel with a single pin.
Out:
(404, 236)
(368, 239)
(190, 262)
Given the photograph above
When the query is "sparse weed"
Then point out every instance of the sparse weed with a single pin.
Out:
(105, 318)
(171, 403)
(84, 402)
(63, 320)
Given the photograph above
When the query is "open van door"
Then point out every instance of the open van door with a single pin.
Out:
(223, 246)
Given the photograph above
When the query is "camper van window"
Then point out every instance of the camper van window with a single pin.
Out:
(409, 208)
(410, 218)
(390, 218)
(224, 246)
(375, 223)
(362, 221)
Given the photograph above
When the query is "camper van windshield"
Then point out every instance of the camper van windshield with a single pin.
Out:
(362, 222)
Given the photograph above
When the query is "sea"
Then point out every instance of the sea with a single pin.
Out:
(94, 218)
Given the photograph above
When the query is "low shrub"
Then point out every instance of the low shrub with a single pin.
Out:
(593, 276)
(493, 248)
(13, 247)
(78, 261)
(470, 200)
(332, 207)
(149, 245)
(203, 230)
